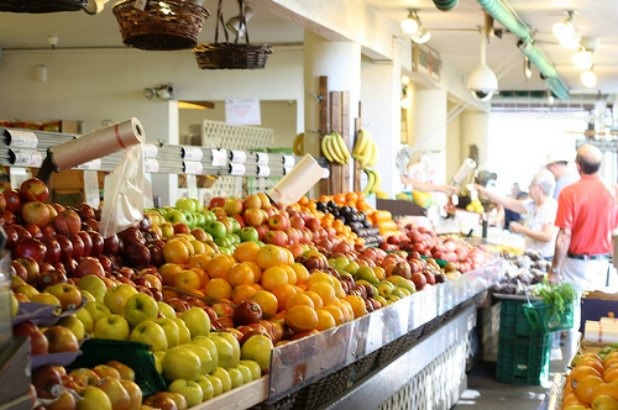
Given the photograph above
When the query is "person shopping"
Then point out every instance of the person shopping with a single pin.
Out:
(539, 212)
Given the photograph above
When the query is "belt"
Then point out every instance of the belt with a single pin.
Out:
(582, 257)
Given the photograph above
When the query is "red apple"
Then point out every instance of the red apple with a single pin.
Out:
(88, 265)
(30, 247)
(216, 202)
(38, 342)
(19, 270)
(2, 202)
(253, 217)
(67, 222)
(61, 339)
(53, 250)
(111, 245)
(85, 211)
(136, 254)
(181, 228)
(47, 380)
(34, 230)
(252, 201)
(50, 277)
(247, 312)
(13, 201)
(78, 245)
(66, 247)
(87, 241)
(32, 268)
(36, 213)
(34, 189)
(278, 238)
(279, 222)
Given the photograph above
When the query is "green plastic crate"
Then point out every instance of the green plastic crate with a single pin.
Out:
(524, 360)
(513, 320)
(541, 319)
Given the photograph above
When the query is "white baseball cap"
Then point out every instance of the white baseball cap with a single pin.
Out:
(558, 157)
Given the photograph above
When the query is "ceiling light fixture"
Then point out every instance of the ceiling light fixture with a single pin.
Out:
(588, 78)
(564, 31)
(421, 36)
(582, 59)
(163, 92)
(527, 68)
(410, 24)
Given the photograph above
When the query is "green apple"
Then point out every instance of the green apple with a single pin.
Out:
(247, 375)
(74, 325)
(112, 327)
(175, 216)
(216, 229)
(253, 366)
(235, 377)
(158, 359)
(207, 387)
(249, 234)
(225, 351)
(217, 385)
(222, 374)
(184, 335)
(204, 355)
(140, 307)
(235, 345)
(84, 316)
(181, 363)
(199, 206)
(97, 311)
(117, 297)
(94, 285)
(208, 215)
(191, 391)
(210, 345)
(166, 310)
(197, 320)
(150, 333)
(89, 297)
(258, 348)
(92, 397)
(171, 331)
(185, 204)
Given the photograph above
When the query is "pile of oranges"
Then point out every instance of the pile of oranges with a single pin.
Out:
(592, 383)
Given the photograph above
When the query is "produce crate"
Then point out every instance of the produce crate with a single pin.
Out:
(524, 360)
(513, 320)
(541, 319)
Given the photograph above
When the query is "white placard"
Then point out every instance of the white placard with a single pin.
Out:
(219, 157)
(25, 157)
(243, 111)
(140, 4)
(288, 161)
(151, 165)
(92, 191)
(192, 153)
(261, 158)
(238, 156)
(150, 150)
(95, 164)
(237, 169)
(22, 139)
(192, 167)
(18, 176)
(263, 171)
(192, 186)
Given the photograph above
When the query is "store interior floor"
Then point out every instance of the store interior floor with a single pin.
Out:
(485, 393)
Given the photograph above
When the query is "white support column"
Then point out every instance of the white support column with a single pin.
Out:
(166, 185)
(475, 130)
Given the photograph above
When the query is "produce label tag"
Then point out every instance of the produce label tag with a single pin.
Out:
(263, 171)
(140, 4)
(22, 139)
(219, 157)
(261, 158)
(95, 164)
(150, 150)
(151, 165)
(288, 161)
(91, 188)
(192, 153)
(192, 167)
(237, 169)
(238, 156)
(25, 157)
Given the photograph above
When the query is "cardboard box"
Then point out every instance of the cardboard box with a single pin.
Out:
(400, 207)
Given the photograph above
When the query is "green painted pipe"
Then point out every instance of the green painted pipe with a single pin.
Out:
(536, 57)
(507, 18)
(445, 5)
(558, 88)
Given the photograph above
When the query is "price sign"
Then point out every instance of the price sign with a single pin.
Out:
(263, 171)
(192, 153)
(237, 169)
(25, 157)
(238, 156)
(94, 165)
(219, 157)
(22, 139)
(150, 150)
(193, 167)
(261, 158)
(288, 161)
(151, 165)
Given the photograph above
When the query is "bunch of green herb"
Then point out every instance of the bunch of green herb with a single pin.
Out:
(557, 297)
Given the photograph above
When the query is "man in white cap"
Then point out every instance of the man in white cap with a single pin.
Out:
(557, 164)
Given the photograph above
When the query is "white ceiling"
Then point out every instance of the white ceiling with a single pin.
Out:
(453, 35)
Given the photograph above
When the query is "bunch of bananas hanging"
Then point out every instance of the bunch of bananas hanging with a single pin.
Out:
(365, 149)
(334, 148)
(298, 147)
(374, 181)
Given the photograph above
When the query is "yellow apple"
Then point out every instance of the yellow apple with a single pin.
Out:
(74, 325)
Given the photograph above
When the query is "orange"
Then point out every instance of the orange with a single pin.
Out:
(257, 271)
(219, 266)
(336, 313)
(317, 299)
(290, 256)
(273, 276)
(198, 247)
(609, 389)
(319, 276)
(187, 280)
(589, 361)
(246, 251)
(351, 196)
(292, 278)
(243, 292)
(168, 271)
(270, 255)
(339, 199)
(218, 289)
(301, 318)
(267, 301)
(325, 320)
(346, 308)
(299, 299)
(176, 251)
(199, 261)
(283, 292)
(241, 274)
(610, 374)
(325, 290)
(584, 387)
(358, 305)
(187, 242)
(203, 276)
(583, 370)
(571, 399)
(302, 273)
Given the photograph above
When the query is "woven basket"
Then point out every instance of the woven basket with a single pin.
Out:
(163, 25)
(230, 55)
(41, 6)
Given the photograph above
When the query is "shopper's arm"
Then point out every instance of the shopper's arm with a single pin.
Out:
(513, 204)
(427, 187)
(544, 235)
(562, 246)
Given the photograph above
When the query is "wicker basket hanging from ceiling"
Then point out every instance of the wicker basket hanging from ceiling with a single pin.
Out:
(42, 6)
(230, 55)
(161, 25)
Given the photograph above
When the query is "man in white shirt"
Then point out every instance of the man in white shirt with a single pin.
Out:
(557, 164)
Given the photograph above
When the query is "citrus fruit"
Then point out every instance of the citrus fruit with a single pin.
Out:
(267, 301)
(336, 312)
(299, 299)
(219, 266)
(242, 292)
(246, 251)
(325, 320)
(325, 290)
(273, 276)
(301, 318)
(270, 255)
(283, 292)
(241, 274)
(218, 289)
(176, 251)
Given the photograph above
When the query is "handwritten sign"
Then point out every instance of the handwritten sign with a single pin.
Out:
(243, 111)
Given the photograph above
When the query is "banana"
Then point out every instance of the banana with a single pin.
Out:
(366, 155)
(342, 148)
(299, 144)
(338, 154)
(325, 148)
(373, 159)
(377, 185)
(362, 138)
(370, 182)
